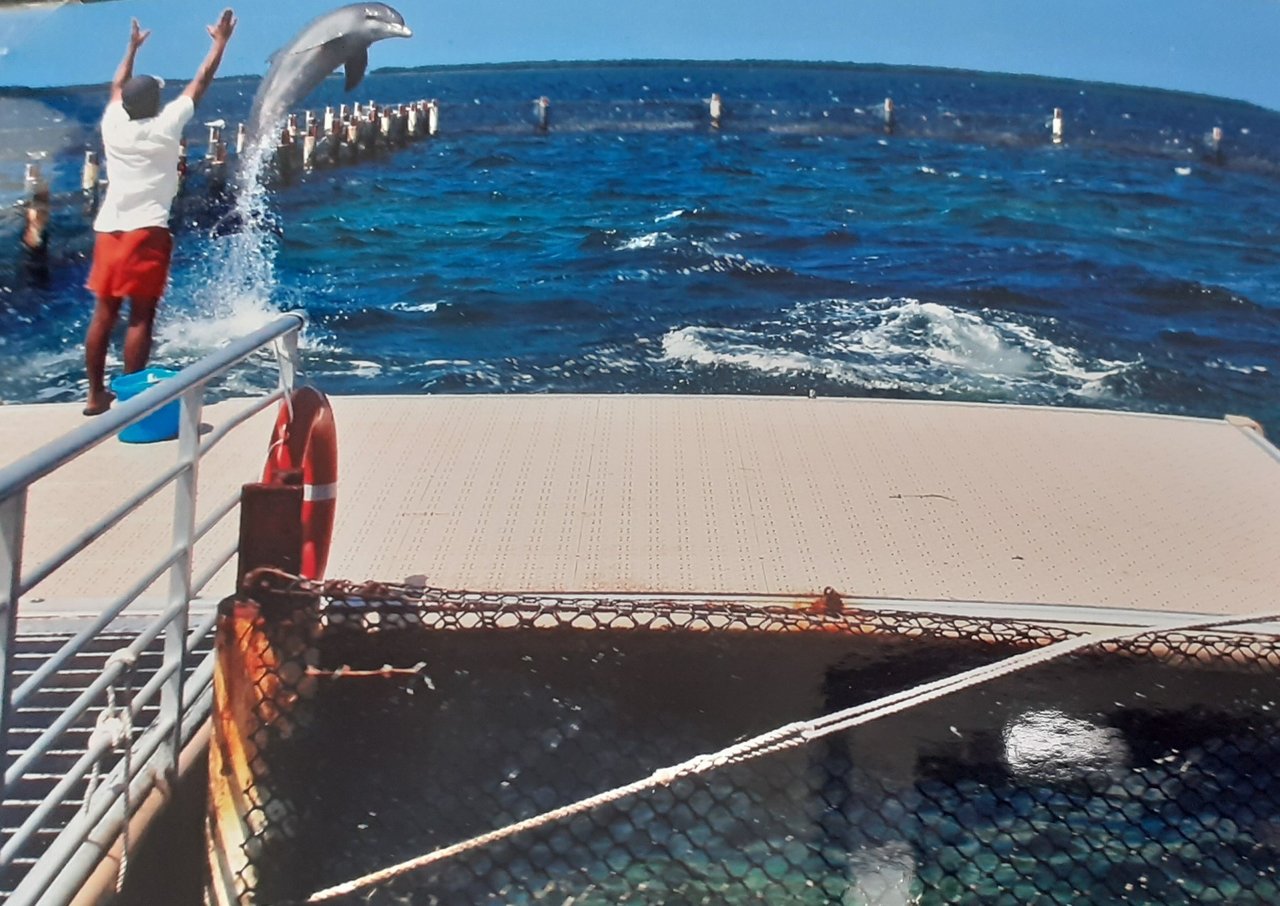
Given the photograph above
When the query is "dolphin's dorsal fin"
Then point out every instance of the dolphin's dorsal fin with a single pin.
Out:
(355, 67)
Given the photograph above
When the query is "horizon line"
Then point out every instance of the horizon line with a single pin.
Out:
(667, 61)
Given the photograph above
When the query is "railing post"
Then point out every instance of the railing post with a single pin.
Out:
(184, 527)
(13, 514)
(287, 360)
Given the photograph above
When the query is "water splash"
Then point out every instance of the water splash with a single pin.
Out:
(232, 290)
(901, 345)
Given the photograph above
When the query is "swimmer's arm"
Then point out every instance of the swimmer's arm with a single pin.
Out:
(125, 70)
(220, 33)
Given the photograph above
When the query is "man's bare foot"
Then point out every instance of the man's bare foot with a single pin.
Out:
(99, 404)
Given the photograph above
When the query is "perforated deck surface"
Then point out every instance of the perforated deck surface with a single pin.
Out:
(743, 495)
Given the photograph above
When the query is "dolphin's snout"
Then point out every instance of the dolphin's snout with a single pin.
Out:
(401, 31)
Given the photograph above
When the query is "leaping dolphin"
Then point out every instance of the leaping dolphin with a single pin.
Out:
(338, 38)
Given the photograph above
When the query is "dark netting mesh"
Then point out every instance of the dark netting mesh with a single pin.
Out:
(381, 723)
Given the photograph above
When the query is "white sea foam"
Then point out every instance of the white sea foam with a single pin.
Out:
(900, 344)
(1238, 369)
(210, 327)
(425, 307)
(364, 368)
(641, 275)
(725, 262)
(647, 241)
(722, 346)
(55, 375)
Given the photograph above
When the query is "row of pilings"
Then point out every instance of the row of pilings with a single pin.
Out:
(342, 135)
(349, 134)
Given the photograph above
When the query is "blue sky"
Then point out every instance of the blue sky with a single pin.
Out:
(1219, 47)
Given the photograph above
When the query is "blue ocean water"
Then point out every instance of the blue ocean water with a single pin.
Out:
(632, 248)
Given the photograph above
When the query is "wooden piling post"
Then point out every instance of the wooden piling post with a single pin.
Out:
(542, 112)
(334, 147)
(218, 167)
(371, 129)
(242, 133)
(1057, 125)
(715, 108)
(412, 124)
(384, 128)
(284, 156)
(31, 179)
(328, 120)
(215, 136)
(889, 123)
(309, 148)
(433, 117)
(353, 140)
(89, 178)
(36, 235)
(1215, 144)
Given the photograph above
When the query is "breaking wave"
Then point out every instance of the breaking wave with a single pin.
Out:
(901, 345)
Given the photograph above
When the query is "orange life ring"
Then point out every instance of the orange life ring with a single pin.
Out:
(308, 442)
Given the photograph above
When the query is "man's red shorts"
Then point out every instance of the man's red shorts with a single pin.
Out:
(132, 263)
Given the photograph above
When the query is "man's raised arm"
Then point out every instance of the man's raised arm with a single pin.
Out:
(220, 33)
(124, 72)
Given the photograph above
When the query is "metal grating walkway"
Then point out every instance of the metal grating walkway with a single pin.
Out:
(32, 647)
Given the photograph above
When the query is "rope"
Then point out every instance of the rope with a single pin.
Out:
(114, 729)
(789, 736)
(128, 659)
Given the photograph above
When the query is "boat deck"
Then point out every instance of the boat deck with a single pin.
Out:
(984, 507)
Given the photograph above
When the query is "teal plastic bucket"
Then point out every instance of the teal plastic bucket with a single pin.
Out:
(159, 425)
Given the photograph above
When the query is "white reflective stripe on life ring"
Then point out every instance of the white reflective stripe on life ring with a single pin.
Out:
(315, 492)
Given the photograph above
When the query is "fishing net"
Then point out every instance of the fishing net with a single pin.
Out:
(361, 728)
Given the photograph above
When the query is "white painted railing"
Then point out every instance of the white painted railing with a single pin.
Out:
(35, 868)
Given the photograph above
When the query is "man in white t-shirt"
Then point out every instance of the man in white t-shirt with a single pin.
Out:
(132, 245)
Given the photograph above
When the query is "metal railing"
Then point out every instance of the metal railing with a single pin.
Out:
(175, 697)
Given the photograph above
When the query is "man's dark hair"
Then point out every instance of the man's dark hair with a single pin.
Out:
(141, 96)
